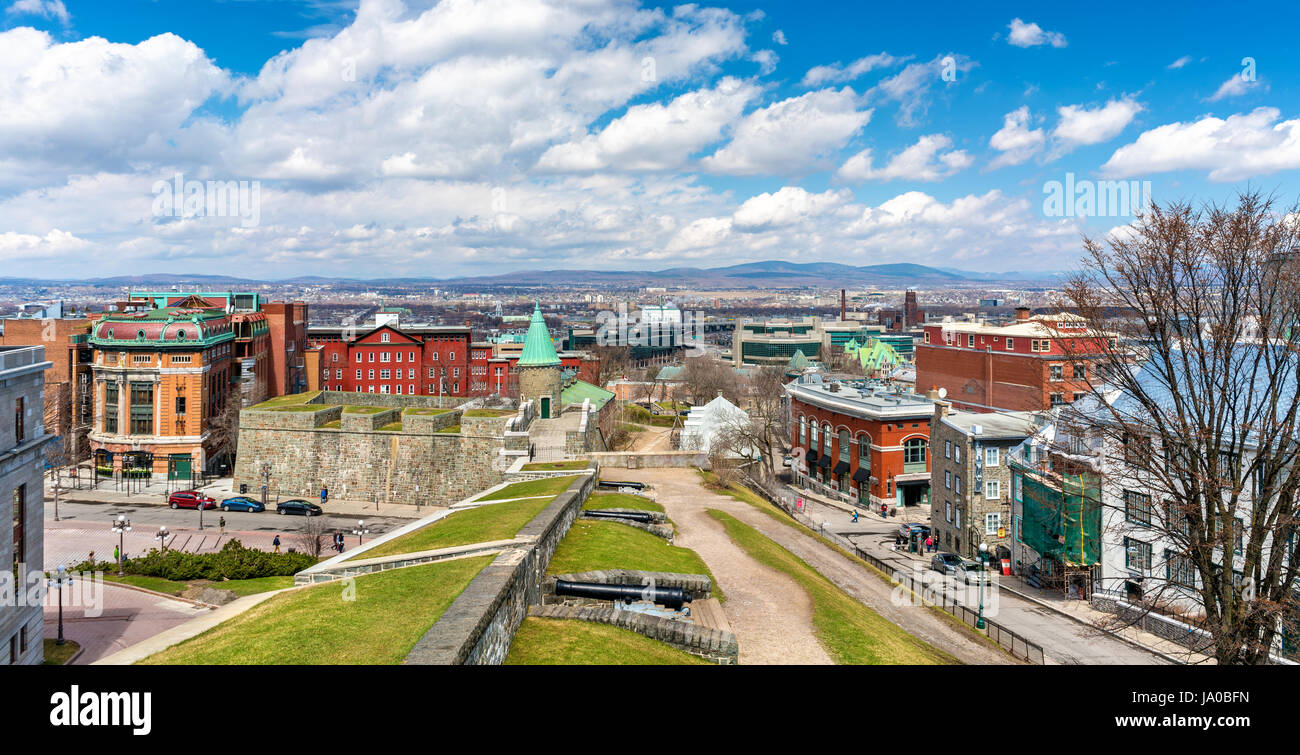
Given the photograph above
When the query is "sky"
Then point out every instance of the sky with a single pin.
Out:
(383, 138)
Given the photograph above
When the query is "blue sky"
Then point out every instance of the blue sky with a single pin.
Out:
(472, 137)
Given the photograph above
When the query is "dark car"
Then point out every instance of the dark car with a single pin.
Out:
(945, 563)
(242, 503)
(905, 530)
(190, 499)
(298, 506)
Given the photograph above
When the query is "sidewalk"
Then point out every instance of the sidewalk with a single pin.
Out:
(821, 509)
(156, 495)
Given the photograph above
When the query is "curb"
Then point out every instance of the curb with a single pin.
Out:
(137, 588)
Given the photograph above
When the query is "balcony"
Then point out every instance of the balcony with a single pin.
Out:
(914, 467)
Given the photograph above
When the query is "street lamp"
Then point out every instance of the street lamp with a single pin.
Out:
(984, 551)
(58, 582)
(163, 536)
(121, 526)
(360, 531)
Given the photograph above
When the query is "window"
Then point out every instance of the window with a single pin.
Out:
(1016, 490)
(1054, 372)
(1011, 344)
(845, 445)
(455, 387)
(970, 341)
(20, 524)
(180, 406)
(385, 375)
(141, 359)
(338, 374)
(434, 355)
(399, 356)
(385, 357)
(1137, 554)
(358, 356)
(956, 453)
(142, 408)
(927, 336)
(181, 358)
(956, 516)
(358, 374)
(334, 357)
(1078, 395)
(1137, 449)
(410, 373)
(372, 357)
(1238, 535)
(1080, 372)
(410, 388)
(1176, 519)
(803, 430)
(384, 337)
(110, 408)
(947, 511)
(991, 457)
(410, 356)
(20, 410)
(947, 449)
(826, 440)
(1180, 570)
(1057, 399)
(383, 389)
(455, 372)
(956, 484)
(399, 387)
(813, 440)
(914, 451)
(371, 374)
(992, 490)
(947, 479)
(992, 522)
(1137, 508)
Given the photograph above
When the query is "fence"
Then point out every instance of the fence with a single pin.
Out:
(1015, 644)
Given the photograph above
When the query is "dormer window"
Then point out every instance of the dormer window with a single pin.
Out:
(383, 337)
(180, 335)
(139, 335)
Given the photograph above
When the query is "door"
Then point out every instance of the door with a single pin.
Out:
(546, 407)
(179, 467)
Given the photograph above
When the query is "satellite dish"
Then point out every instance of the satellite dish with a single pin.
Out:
(943, 393)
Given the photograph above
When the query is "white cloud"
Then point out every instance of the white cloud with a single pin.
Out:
(1015, 140)
(795, 135)
(1180, 62)
(1233, 87)
(910, 88)
(837, 73)
(1081, 126)
(927, 160)
(16, 247)
(1239, 147)
(787, 206)
(778, 37)
(42, 8)
(1032, 35)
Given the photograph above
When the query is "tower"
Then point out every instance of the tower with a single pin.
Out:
(539, 368)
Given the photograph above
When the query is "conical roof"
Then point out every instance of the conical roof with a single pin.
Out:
(539, 349)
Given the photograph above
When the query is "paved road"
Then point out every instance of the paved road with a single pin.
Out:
(84, 527)
(122, 618)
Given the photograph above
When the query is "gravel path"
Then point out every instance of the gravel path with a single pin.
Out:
(686, 500)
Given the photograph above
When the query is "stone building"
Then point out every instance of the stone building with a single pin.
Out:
(539, 369)
(970, 480)
(69, 405)
(22, 440)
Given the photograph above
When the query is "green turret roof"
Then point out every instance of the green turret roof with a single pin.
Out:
(539, 349)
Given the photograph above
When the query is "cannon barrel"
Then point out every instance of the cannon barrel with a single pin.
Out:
(669, 597)
(617, 484)
(636, 516)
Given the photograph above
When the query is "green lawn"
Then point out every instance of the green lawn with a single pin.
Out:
(851, 632)
(450, 429)
(424, 410)
(241, 587)
(643, 416)
(488, 413)
(597, 501)
(592, 545)
(293, 398)
(333, 424)
(377, 620)
(552, 466)
(548, 486)
(58, 655)
(295, 408)
(499, 521)
(392, 427)
(564, 642)
(358, 409)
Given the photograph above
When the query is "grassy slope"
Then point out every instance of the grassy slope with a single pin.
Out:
(317, 625)
(851, 632)
(597, 501)
(542, 642)
(548, 486)
(241, 587)
(500, 521)
(551, 466)
(593, 545)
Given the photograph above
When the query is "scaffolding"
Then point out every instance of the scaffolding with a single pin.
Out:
(1062, 523)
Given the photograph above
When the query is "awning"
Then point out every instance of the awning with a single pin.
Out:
(840, 468)
(811, 456)
(862, 475)
(824, 462)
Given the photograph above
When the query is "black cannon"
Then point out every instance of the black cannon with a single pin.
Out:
(669, 597)
(636, 516)
(617, 484)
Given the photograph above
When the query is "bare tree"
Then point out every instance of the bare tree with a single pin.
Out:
(705, 379)
(1194, 410)
(614, 362)
(757, 437)
(311, 539)
(223, 432)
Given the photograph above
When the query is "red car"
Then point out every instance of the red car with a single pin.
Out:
(191, 499)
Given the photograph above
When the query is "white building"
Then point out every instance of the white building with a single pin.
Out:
(704, 424)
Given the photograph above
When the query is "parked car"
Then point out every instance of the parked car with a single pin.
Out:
(905, 530)
(190, 499)
(298, 506)
(972, 573)
(945, 563)
(242, 503)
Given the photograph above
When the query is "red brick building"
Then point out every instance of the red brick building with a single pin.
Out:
(1030, 364)
(871, 447)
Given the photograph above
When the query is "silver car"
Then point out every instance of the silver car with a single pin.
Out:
(972, 573)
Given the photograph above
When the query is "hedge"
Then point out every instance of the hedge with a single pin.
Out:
(233, 561)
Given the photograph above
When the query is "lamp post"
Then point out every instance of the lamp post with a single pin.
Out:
(163, 536)
(58, 582)
(360, 531)
(121, 526)
(984, 550)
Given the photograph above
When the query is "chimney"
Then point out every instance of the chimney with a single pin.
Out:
(1022, 314)
(844, 309)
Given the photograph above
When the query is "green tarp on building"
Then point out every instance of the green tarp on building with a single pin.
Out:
(1066, 523)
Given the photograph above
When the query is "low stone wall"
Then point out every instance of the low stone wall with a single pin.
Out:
(478, 627)
(1167, 627)
(644, 459)
(395, 400)
(658, 530)
(698, 586)
(711, 644)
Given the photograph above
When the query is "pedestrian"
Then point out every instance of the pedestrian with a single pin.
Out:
(116, 556)
(221, 521)
(884, 511)
(929, 544)
(276, 543)
(855, 516)
(324, 494)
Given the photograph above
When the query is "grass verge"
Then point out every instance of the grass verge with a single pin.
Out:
(593, 545)
(240, 587)
(500, 521)
(548, 486)
(552, 466)
(379, 623)
(59, 655)
(851, 632)
(598, 501)
(568, 642)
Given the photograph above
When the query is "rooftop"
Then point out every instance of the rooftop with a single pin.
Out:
(993, 425)
(868, 403)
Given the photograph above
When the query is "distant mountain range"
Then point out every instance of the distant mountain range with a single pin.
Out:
(769, 274)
